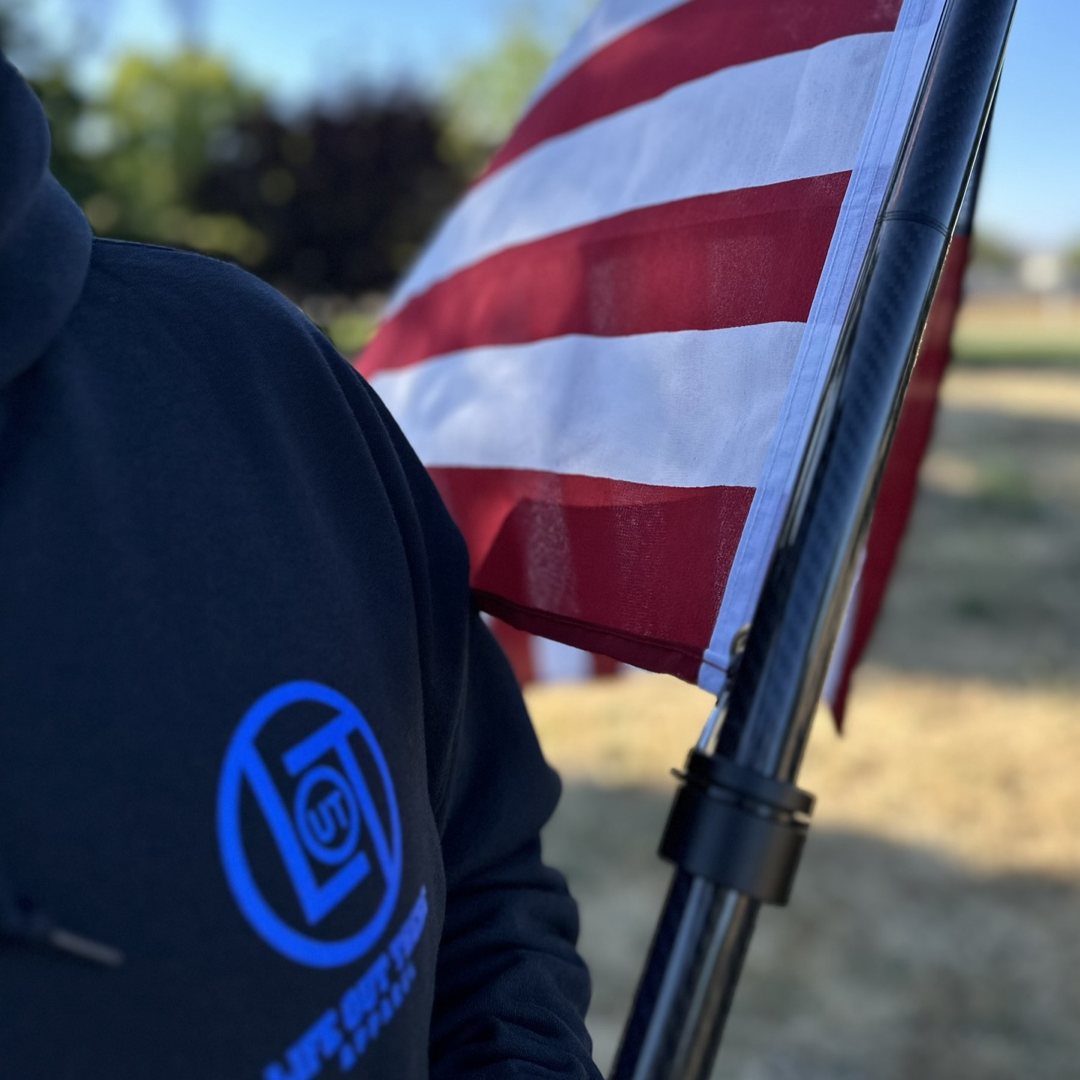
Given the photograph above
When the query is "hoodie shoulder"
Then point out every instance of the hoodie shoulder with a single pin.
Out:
(167, 281)
(193, 317)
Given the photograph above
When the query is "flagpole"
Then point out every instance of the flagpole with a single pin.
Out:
(738, 822)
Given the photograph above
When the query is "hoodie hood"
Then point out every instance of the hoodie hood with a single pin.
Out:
(44, 237)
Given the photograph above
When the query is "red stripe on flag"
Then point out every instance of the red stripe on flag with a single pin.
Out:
(633, 571)
(734, 259)
(899, 483)
(683, 44)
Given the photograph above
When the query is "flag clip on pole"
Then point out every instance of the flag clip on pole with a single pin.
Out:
(733, 826)
(738, 824)
(736, 828)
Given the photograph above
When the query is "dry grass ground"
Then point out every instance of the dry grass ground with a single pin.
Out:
(935, 928)
(1019, 327)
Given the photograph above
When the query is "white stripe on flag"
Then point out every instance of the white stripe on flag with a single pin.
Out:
(608, 407)
(784, 118)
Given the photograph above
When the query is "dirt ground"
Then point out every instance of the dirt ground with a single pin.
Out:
(935, 927)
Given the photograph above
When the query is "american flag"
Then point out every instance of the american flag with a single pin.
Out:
(610, 356)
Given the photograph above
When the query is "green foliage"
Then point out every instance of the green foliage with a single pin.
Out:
(351, 332)
(486, 96)
(179, 150)
(343, 198)
(151, 138)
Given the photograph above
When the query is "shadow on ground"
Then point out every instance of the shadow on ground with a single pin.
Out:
(892, 962)
(935, 928)
(989, 577)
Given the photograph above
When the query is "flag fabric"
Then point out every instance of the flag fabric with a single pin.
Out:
(610, 356)
(541, 660)
(537, 659)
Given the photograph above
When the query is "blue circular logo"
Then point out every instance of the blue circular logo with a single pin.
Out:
(324, 795)
(328, 821)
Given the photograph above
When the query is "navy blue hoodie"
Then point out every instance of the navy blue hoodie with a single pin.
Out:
(254, 740)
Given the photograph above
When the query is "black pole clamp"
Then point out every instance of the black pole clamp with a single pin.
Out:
(737, 828)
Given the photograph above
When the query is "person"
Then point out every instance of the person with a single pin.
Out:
(270, 800)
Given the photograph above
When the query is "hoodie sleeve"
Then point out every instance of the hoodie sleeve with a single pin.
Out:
(511, 991)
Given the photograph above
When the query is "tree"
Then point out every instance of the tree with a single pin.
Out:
(343, 199)
(487, 95)
(156, 131)
(132, 155)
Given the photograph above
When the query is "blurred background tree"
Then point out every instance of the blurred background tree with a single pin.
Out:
(341, 199)
(151, 137)
(329, 203)
(133, 152)
(487, 94)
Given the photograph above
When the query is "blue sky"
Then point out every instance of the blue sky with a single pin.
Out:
(303, 48)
